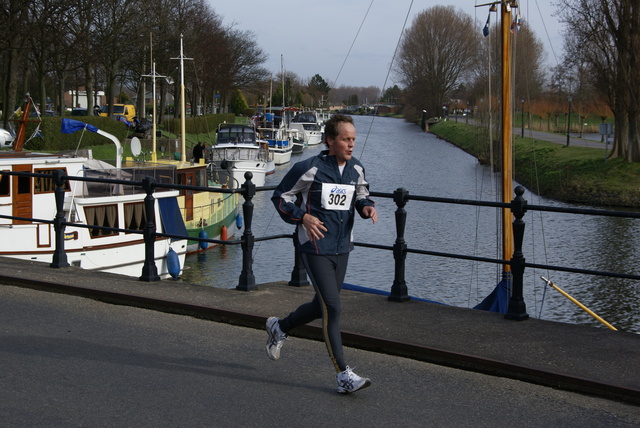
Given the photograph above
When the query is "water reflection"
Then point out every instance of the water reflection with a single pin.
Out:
(397, 154)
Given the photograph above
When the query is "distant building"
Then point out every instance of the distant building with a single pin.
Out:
(78, 99)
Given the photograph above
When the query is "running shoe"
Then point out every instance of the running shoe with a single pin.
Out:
(349, 382)
(276, 338)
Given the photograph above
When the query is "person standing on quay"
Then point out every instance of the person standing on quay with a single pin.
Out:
(320, 196)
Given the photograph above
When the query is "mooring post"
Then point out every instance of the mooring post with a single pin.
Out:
(299, 273)
(399, 291)
(149, 268)
(247, 281)
(59, 256)
(517, 307)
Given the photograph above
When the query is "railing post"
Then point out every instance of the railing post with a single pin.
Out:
(517, 307)
(299, 273)
(399, 291)
(59, 256)
(149, 269)
(247, 281)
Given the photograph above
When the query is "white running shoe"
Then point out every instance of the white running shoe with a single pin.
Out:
(276, 338)
(349, 382)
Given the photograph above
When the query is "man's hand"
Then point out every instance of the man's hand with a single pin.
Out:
(314, 227)
(370, 212)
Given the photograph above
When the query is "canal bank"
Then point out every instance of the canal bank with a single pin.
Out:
(578, 173)
(582, 359)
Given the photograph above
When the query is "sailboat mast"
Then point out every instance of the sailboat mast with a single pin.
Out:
(507, 125)
(183, 153)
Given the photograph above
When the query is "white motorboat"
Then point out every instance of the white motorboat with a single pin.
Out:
(237, 150)
(307, 123)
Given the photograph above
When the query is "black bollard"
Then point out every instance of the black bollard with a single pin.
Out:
(247, 281)
(517, 307)
(59, 256)
(399, 292)
(149, 268)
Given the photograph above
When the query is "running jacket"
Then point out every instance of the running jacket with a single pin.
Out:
(301, 191)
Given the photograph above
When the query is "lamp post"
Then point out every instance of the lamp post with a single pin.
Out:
(569, 119)
(522, 117)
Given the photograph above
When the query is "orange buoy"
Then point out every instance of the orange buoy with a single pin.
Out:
(223, 233)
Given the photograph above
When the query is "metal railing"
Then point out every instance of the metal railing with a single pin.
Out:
(246, 282)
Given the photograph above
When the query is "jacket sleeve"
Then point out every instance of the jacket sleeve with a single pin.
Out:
(362, 192)
(292, 192)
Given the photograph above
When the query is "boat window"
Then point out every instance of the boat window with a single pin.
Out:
(24, 185)
(46, 185)
(5, 185)
(134, 216)
(105, 216)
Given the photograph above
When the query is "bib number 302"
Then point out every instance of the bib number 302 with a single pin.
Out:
(337, 196)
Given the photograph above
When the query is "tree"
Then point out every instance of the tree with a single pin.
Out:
(238, 104)
(392, 94)
(435, 53)
(318, 89)
(603, 36)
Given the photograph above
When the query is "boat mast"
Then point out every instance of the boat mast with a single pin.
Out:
(154, 76)
(507, 133)
(183, 152)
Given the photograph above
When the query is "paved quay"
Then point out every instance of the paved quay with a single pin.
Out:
(594, 361)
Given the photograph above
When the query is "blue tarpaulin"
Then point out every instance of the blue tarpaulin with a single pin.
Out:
(498, 300)
(69, 126)
(172, 221)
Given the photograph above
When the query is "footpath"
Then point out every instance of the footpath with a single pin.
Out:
(588, 360)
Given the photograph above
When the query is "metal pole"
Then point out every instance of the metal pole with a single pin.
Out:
(517, 308)
(247, 281)
(149, 269)
(399, 292)
(569, 122)
(522, 118)
(59, 256)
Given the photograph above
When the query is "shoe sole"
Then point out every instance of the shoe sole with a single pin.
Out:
(346, 391)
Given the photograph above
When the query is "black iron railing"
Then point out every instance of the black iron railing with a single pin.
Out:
(399, 293)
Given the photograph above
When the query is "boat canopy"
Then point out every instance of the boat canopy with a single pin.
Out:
(236, 134)
(305, 117)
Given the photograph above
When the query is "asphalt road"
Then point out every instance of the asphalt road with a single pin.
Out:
(74, 362)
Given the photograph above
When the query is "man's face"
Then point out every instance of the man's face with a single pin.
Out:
(342, 146)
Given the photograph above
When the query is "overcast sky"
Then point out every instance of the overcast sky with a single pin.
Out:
(314, 37)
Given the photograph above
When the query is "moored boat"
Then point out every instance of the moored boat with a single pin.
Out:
(236, 152)
(307, 123)
(26, 201)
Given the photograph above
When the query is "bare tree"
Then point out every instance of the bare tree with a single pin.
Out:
(436, 51)
(603, 36)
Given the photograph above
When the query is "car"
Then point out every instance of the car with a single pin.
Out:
(6, 139)
(79, 112)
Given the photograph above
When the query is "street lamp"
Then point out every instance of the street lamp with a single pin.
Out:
(569, 119)
(522, 117)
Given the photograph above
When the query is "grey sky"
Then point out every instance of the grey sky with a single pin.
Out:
(314, 37)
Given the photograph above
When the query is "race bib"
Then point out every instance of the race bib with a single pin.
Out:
(337, 196)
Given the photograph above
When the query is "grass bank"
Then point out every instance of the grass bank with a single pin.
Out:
(570, 174)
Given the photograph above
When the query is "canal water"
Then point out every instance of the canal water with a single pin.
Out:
(398, 154)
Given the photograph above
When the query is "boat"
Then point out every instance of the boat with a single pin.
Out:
(297, 142)
(206, 214)
(295, 135)
(25, 201)
(237, 150)
(307, 123)
(278, 141)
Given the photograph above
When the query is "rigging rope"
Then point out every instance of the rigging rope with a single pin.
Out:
(393, 58)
